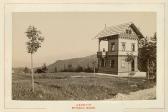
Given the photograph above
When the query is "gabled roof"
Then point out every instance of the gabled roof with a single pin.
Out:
(118, 29)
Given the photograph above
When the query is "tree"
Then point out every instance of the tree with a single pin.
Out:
(130, 59)
(26, 70)
(94, 66)
(147, 56)
(55, 69)
(70, 68)
(39, 70)
(88, 69)
(34, 42)
(44, 68)
(79, 69)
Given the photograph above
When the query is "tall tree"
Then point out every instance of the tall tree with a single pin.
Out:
(34, 42)
(147, 56)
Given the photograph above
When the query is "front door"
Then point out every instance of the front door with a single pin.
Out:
(102, 62)
(132, 66)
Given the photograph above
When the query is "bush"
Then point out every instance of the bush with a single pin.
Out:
(79, 69)
(88, 70)
(40, 71)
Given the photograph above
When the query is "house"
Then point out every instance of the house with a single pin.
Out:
(122, 41)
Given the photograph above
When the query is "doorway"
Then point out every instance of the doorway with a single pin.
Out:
(132, 66)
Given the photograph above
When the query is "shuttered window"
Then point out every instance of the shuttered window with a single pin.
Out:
(113, 46)
(123, 46)
(133, 47)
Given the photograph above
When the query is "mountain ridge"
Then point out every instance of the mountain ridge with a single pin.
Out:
(83, 62)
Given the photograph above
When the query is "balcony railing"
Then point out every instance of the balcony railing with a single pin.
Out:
(100, 54)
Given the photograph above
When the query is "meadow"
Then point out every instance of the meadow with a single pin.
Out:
(74, 86)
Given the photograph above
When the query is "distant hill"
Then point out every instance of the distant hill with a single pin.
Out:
(83, 62)
(18, 69)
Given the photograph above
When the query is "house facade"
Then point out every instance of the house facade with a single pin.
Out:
(122, 42)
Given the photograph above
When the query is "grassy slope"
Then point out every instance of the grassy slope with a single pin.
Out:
(64, 86)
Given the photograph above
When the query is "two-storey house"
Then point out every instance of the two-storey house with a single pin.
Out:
(122, 41)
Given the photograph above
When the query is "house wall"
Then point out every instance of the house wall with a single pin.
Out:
(121, 66)
(124, 66)
(108, 68)
(136, 63)
(115, 40)
(128, 43)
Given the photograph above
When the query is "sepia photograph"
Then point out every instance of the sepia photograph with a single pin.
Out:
(109, 56)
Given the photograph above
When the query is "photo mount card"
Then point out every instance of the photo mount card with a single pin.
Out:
(75, 38)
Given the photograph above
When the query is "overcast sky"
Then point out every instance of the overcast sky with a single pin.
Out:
(70, 34)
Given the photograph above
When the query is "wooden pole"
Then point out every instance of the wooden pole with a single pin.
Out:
(32, 72)
(99, 46)
(94, 71)
(128, 72)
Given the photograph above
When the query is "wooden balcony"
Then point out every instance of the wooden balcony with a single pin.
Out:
(108, 53)
(112, 53)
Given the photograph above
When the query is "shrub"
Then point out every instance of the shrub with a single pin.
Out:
(79, 69)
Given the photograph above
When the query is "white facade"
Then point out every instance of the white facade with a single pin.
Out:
(128, 46)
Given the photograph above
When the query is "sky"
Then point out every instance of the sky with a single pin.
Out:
(69, 34)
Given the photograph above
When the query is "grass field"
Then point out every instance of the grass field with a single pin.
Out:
(74, 86)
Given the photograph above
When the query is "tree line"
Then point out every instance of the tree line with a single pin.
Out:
(147, 56)
(79, 68)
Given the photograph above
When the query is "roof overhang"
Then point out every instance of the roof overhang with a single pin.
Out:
(136, 30)
(107, 37)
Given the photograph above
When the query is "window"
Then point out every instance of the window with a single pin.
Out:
(104, 63)
(112, 64)
(104, 53)
(123, 46)
(112, 46)
(128, 31)
(133, 47)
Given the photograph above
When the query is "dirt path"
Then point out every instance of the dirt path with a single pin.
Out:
(141, 94)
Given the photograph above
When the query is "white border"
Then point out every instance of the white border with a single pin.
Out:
(100, 105)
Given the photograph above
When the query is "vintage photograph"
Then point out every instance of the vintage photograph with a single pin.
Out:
(84, 56)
